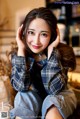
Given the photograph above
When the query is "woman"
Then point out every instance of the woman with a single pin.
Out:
(38, 73)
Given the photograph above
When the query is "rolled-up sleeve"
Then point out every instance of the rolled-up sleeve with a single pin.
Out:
(53, 75)
(20, 74)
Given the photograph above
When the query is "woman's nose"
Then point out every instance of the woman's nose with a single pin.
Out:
(37, 39)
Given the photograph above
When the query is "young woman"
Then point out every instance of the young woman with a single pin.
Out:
(38, 73)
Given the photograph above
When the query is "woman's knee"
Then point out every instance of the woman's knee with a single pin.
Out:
(53, 113)
(29, 100)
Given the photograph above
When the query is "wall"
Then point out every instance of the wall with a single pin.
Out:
(10, 7)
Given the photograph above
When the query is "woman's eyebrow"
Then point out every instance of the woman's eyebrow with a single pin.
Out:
(32, 29)
(40, 31)
(45, 31)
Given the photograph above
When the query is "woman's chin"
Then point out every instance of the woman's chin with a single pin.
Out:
(36, 52)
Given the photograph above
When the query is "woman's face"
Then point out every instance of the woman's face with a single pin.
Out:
(38, 35)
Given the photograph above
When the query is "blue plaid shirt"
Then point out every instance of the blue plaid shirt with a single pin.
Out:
(27, 75)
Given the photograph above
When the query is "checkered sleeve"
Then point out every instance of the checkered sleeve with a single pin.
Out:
(20, 74)
(53, 75)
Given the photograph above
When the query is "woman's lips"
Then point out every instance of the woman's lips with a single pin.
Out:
(36, 46)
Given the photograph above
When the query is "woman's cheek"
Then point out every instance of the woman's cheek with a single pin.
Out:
(28, 40)
(46, 42)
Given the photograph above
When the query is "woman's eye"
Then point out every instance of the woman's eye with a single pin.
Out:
(30, 33)
(44, 34)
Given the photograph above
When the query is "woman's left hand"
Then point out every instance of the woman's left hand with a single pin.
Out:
(54, 43)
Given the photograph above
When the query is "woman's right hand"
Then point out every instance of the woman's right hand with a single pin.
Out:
(20, 42)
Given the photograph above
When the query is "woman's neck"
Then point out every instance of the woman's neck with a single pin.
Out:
(39, 57)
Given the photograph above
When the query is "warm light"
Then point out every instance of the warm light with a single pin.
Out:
(77, 29)
(74, 77)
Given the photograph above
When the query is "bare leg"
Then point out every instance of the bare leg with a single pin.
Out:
(53, 113)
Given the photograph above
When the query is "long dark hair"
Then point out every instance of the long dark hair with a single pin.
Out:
(43, 13)
(68, 58)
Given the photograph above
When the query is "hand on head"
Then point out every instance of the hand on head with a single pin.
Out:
(54, 43)
(19, 40)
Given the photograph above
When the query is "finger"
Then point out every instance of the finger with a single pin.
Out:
(58, 32)
(20, 31)
(18, 36)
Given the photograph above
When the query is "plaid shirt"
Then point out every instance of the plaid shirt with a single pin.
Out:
(26, 74)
